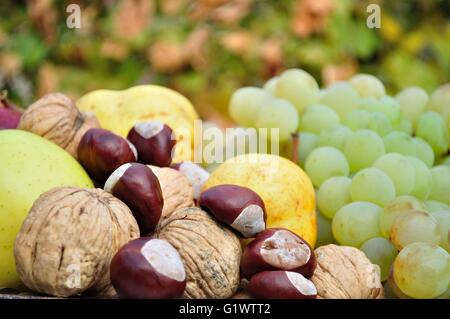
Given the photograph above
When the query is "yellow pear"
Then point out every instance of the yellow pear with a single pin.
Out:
(118, 111)
(287, 191)
(29, 166)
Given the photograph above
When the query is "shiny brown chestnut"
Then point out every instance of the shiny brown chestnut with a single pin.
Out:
(237, 206)
(278, 249)
(154, 142)
(138, 187)
(196, 175)
(281, 284)
(148, 268)
(101, 152)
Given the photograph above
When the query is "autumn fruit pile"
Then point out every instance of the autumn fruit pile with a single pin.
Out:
(100, 197)
(380, 165)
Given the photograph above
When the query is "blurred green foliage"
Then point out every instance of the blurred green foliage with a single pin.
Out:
(207, 48)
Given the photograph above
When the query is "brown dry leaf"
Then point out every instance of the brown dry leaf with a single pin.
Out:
(44, 16)
(310, 16)
(238, 42)
(172, 7)
(195, 47)
(226, 12)
(166, 56)
(133, 16)
(114, 50)
(10, 64)
(338, 72)
(47, 79)
(272, 55)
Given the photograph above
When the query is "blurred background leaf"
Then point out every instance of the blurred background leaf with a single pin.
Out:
(207, 48)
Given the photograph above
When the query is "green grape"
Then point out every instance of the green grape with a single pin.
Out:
(395, 208)
(356, 223)
(400, 170)
(362, 149)
(333, 194)
(381, 252)
(393, 286)
(431, 127)
(443, 219)
(424, 152)
(335, 137)
(434, 206)
(440, 103)
(271, 85)
(423, 178)
(385, 104)
(317, 118)
(245, 104)
(404, 125)
(298, 87)
(440, 185)
(412, 227)
(372, 185)
(399, 142)
(325, 162)
(342, 97)
(445, 295)
(380, 124)
(440, 99)
(413, 101)
(278, 114)
(307, 143)
(446, 161)
(422, 270)
(324, 234)
(367, 85)
(358, 119)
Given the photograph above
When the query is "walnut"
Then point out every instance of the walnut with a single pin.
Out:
(345, 273)
(211, 253)
(56, 118)
(176, 188)
(68, 239)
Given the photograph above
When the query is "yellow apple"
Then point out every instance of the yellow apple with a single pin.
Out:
(287, 191)
(29, 166)
(118, 111)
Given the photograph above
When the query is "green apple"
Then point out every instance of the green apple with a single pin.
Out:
(29, 166)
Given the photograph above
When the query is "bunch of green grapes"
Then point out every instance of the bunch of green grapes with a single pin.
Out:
(380, 165)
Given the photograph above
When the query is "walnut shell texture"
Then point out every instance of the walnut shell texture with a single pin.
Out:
(211, 253)
(68, 239)
(56, 118)
(176, 188)
(345, 273)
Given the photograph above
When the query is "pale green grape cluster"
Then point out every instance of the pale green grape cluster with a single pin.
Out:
(381, 252)
(422, 270)
(380, 165)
